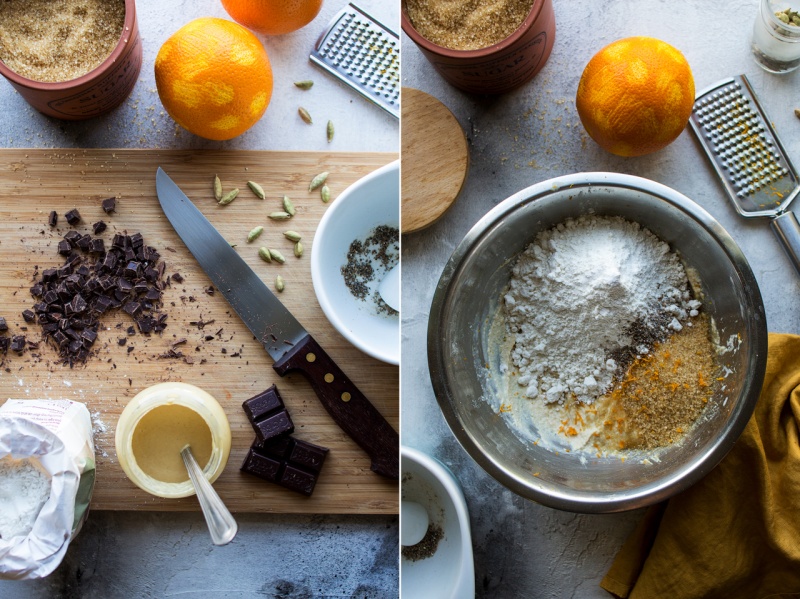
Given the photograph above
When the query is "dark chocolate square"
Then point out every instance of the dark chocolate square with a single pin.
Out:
(291, 463)
(267, 413)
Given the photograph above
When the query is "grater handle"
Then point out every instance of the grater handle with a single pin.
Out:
(787, 229)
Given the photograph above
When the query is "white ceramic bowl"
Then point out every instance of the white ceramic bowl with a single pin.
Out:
(450, 572)
(371, 201)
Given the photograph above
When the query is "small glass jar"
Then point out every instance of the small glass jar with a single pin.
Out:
(172, 394)
(776, 44)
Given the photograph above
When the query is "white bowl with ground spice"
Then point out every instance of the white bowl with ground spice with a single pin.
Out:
(355, 246)
(70, 59)
(597, 342)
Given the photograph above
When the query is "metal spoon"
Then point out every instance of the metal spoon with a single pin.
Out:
(220, 522)
(413, 523)
(389, 288)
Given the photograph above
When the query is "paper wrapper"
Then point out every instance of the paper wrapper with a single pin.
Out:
(57, 434)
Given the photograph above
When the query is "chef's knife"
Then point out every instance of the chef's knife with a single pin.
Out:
(284, 338)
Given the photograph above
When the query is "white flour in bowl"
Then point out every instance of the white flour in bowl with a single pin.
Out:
(585, 299)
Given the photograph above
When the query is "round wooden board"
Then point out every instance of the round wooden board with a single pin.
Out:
(434, 159)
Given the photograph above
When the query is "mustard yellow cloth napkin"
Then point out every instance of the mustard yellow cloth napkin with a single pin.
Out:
(736, 533)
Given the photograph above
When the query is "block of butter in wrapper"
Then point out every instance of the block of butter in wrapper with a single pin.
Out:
(47, 472)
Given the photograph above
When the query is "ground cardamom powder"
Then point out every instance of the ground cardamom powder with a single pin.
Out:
(467, 24)
(58, 40)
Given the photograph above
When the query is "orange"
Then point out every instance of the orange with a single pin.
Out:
(214, 78)
(635, 96)
(273, 17)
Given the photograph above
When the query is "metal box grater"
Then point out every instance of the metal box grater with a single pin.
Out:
(748, 157)
(364, 54)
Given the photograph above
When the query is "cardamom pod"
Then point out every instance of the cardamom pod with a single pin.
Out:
(217, 188)
(317, 181)
(279, 285)
(229, 197)
(264, 254)
(305, 115)
(279, 215)
(288, 206)
(330, 131)
(277, 256)
(256, 189)
(292, 235)
(797, 112)
(298, 249)
(325, 194)
(254, 233)
(305, 84)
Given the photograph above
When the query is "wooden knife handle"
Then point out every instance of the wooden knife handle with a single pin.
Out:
(349, 408)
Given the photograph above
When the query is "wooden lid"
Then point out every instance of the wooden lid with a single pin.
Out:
(434, 159)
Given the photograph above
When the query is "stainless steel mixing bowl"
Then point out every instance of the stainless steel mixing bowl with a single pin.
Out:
(467, 297)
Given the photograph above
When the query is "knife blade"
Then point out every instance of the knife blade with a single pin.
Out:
(288, 343)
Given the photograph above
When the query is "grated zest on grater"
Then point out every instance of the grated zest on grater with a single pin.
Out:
(749, 158)
(364, 54)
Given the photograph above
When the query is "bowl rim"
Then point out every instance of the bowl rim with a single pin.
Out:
(388, 354)
(557, 496)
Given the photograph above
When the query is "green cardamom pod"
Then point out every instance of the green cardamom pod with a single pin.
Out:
(292, 235)
(288, 206)
(279, 285)
(254, 233)
(256, 189)
(229, 197)
(279, 215)
(264, 254)
(277, 256)
(305, 84)
(330, 131)
(325, 194)
(317, 181)
(298, 249)
(305, 115)
(217, 188)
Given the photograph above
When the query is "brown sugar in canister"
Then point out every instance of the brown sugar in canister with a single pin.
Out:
(467, 24)
(58, 40)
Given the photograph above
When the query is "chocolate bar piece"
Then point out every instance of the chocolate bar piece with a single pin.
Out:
(109, 205)
(73, 217)
(288, 462)
(268, 415)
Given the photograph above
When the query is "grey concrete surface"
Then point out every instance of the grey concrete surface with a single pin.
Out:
(155, 555)
(532, 134)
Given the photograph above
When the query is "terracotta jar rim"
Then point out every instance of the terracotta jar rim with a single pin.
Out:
(50, 86)
(428, 45)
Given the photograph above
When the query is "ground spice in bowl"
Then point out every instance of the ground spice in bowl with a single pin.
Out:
(58, 40)
(467, 24)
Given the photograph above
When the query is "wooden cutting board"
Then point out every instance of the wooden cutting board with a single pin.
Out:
(232, 366)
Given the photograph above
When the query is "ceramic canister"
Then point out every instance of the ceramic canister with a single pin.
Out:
(499, 68)
(94, 93)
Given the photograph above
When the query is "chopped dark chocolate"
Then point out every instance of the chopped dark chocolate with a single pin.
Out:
(3, 325)
(4, 342)
(288, 462)
(92, 281)
(109, 205)
(267, 413)
(98, 227)
(28, 315)
(18, 343)
(52, 220)
(64, 248)
(73, 217)
(176, 276)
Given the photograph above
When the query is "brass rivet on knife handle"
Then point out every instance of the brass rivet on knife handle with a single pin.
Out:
(346, 404)
(310, 357)
(328, 378)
